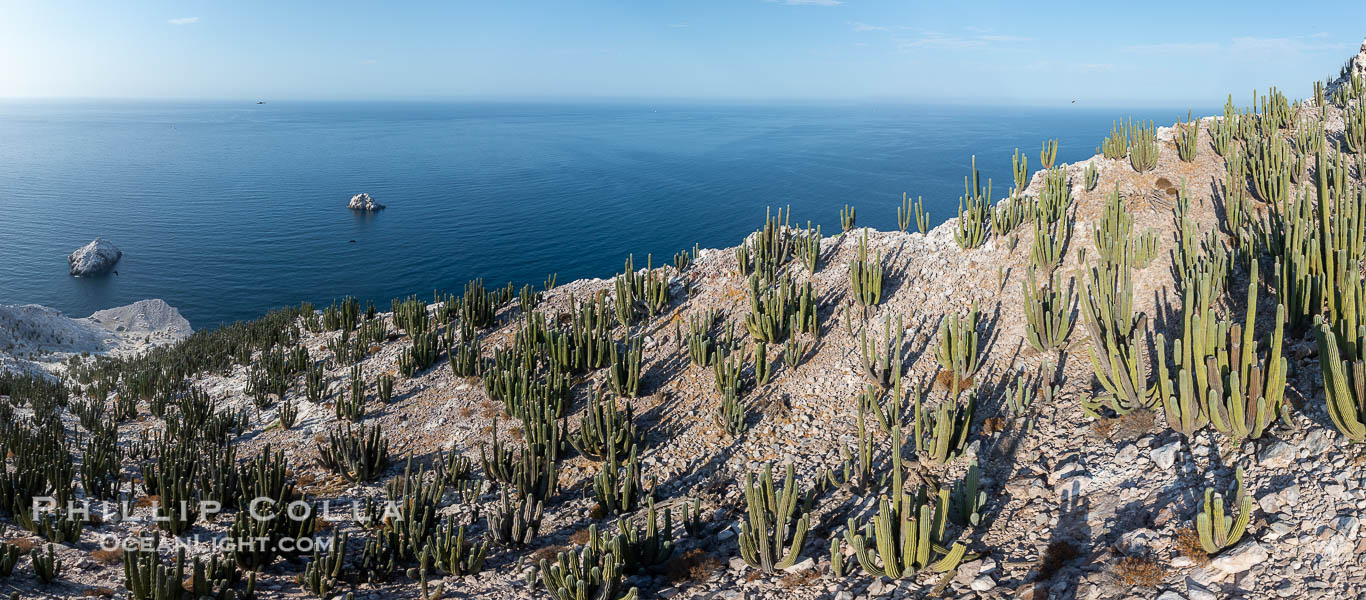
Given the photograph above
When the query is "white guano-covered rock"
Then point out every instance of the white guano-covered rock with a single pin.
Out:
(96, 258)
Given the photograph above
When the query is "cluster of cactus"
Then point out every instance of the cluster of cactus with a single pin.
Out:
(909, 211)
(351, 406)
(478, 306)
(453, 555)
(1090, 176)
(596, 571)
(411, 315)
(1116, 145)
(1116, 333)
(906, 537)
(883, 361)
(778, 311)
(1019, 169)
(627, 359)
(1220, 379)
(357, 455)
(1344, 382)
(343, 316)
(1218, 530)
(1050, 244)
(1143, 147)
(421, 355)
(808, 247)
(618, 486)
(865, 276)
(1270, 162)
(1048, 154)
(1055, 198)
(731, 383)
(847, 218)
(640, 293)
(1354, 129)
(974, 211)
(1048, 311)
(957, 352)
(1188, 139)
(515, 522)
(1223, 132)
(146, 578)
(772, 536)
(942, 435)
(1010, 213)
(605, 433)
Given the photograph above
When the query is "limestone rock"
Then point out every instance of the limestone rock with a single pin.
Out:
(364, 202)
(96, 258)
(1240, 558)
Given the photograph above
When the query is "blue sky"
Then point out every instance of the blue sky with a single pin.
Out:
(1098, 53)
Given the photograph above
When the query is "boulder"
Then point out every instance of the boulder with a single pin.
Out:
(364, 202)
(96, 258)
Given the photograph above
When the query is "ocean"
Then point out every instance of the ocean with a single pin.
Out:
(228, 209)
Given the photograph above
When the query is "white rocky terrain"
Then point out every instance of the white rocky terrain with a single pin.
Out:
(37, 339)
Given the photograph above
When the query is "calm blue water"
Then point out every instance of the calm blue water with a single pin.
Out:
(228, 210)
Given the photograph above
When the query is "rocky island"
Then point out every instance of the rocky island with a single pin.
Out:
(363, 202)
(96, 258)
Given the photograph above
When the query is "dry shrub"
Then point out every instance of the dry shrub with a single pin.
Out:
(1188, 545)
(97, 592)
(580, 537)
(945, 380)
(695, 565)
(1138, 571)
(1054, 557)
(25, 545)
(146, 501)
(466, 412)
(993, 425)
(107, 557)
(800, 580)
(1125, 427)
(549, 553)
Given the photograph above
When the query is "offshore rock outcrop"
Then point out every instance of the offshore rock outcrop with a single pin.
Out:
(364, 202)
(96, 258)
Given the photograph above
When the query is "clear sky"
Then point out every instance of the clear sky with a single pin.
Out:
(1100, 53)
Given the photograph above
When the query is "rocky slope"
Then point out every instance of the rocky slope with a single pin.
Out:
(38, 339)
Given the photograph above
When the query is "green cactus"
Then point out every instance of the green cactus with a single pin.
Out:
(604, 431)
(809, 247)
(1019, 167)
(514, 523)
(618, 487)
(965, 506)
(455, 556)
(626, 364)
(1050, 244)
(1048, 154)
(905, 537)
(1344, 384)
(865, 276)
(46, 567)
(1143, 147)
(1116, 145)
(957, 352)
(773, 513)
(357, 455)
(1188, 139)
(1048, 312)
(882, 362)
(974, 211)
(942, 435)
(1219, 531)
(322, 574)
(1090, 177)
(590, 574)
(847, 219)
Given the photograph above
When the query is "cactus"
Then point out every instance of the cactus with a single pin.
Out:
(453, 555)
(1354, 129)
(650, 546)
(322, 574)
(1048, 312)
(957, 352)
(882, 362)
(1050, 243)
(514, 523)
(1090, 177)
(46, 567)
(1344, 384)
(604, 432)
(965, 506)
(626, 364)
(384, 388)
(942, 436)
(1019, 167)
(590, 574)
(618, 487)
(809, 247)
(1116, 145)
(1269, 162)
(974, 211)
(1188, 139)
(856, 472)
(1143, 147)
(1009, 214)
(865, 276)
(358, 454)
(905, 537)
(1218, 531)
(772, 512)
(1048, 153)
(847, 219)
(1055, 198)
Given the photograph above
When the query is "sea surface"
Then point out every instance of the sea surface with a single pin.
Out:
(228, 209)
